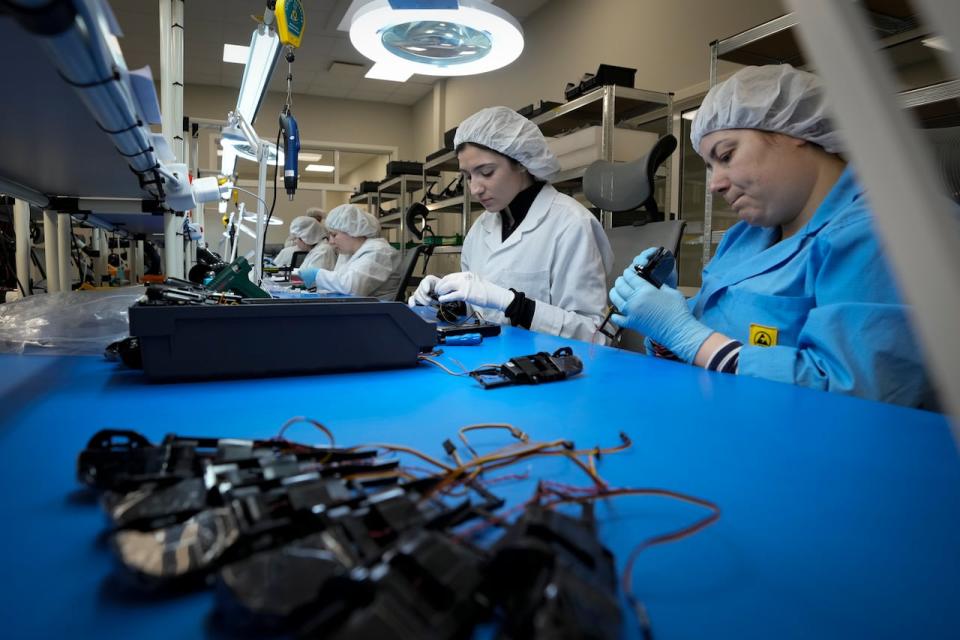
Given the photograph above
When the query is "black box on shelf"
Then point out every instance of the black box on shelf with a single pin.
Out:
(606, 74)
(533, 110)
(404, 167)
(368, 186)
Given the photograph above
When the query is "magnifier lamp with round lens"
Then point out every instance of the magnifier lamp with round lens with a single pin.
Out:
(474, 38)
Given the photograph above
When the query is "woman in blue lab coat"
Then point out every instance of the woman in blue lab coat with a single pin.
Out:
(799, 290)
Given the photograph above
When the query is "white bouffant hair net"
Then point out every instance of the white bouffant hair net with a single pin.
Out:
(353, 221)
(775, 98)
(507, 132)
(307, 229)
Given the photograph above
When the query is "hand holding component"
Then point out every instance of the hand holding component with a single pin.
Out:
(665, 274)
(474, 290)
(660, 314)
(422, 295)
(309, 276)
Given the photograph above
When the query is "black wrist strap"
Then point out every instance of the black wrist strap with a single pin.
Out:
(520, 311)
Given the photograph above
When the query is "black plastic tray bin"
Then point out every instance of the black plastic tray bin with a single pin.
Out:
(368, 186)
(277, 337)
(404, 167)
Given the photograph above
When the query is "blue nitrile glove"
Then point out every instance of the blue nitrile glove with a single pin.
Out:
(644, 258)
(309, 276)
(659, 314)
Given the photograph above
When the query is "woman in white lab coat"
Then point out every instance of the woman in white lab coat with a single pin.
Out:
(367, 265)
(536, 258)
(308, 235)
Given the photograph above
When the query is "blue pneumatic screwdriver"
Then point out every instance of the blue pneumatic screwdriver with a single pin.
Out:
(462, 340)
(291, 149)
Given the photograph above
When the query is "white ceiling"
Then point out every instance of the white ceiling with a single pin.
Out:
(209, 24)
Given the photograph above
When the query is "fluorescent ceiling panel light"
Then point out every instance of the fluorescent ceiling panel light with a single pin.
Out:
(936, 42)
(475, 38)
(394, 72)
(236, 53)
(309, 157)
(320, 168)
(262, 58)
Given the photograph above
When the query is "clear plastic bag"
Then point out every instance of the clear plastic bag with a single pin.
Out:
(74, 323)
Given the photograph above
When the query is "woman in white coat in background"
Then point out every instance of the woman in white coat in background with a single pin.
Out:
(367, 265)
(536, 258)
(308, 235)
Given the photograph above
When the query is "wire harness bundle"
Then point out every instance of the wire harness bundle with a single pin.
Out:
(356, 542)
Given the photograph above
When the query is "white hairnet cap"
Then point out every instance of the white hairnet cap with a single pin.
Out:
(307, 229)
(353, 221)
(507, 132)
(776, 98)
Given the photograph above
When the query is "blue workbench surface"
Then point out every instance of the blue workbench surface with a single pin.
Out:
(840, 516)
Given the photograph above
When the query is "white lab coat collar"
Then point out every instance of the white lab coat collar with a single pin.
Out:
(535, 216)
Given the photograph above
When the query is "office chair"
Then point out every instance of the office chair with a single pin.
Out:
(409, 263)
(297, 259)
(623, 187)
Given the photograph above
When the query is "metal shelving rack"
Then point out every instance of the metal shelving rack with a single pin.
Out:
(775, 42)
(462, 205)
(401, 188)
(370, 200)
(609, 107)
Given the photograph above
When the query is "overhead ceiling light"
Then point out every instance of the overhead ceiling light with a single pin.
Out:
(394, 72)
(936, 42)
(309, 157)
(459, 39)
(262, 57)
(320, 168)
(236, 53)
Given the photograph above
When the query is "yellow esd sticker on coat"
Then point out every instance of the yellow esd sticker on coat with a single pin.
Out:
(761, 336)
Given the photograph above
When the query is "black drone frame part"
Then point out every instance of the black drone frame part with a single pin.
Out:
(533, 369)
(655, 271)
(385, 559)
(552, 578)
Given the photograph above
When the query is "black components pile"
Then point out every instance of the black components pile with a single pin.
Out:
(329, 542)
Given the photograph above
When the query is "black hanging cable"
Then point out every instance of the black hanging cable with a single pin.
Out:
(266, 230)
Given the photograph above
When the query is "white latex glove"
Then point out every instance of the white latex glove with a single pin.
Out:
(474, 290)
(422, 295)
